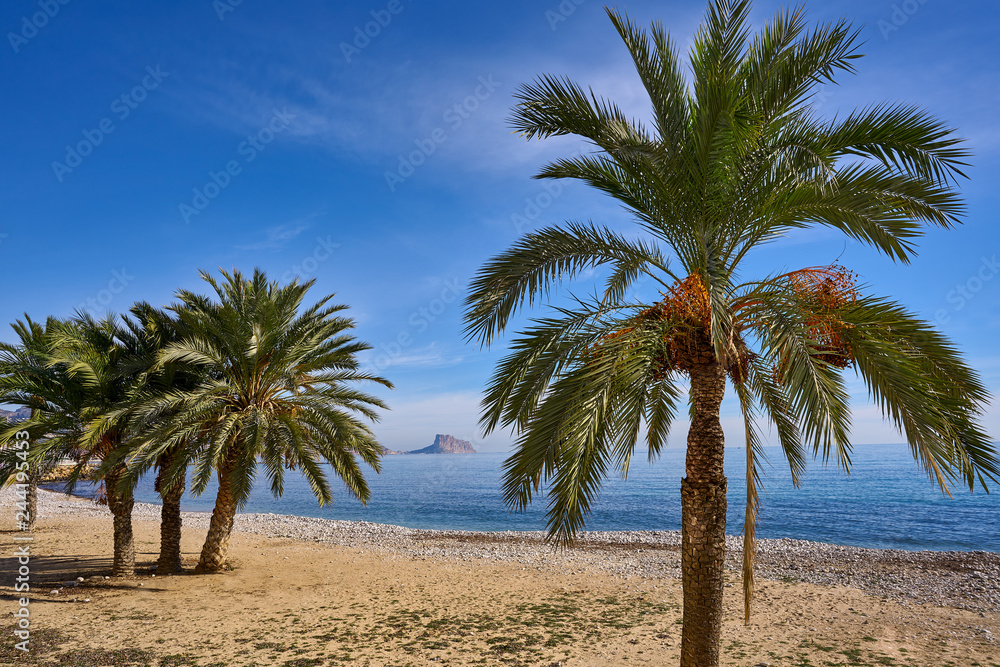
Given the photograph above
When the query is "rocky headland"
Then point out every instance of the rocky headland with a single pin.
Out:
(15, 416)
(446, 444)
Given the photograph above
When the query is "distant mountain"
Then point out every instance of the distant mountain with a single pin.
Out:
(446, 444)
(386, 451)
(18, 415)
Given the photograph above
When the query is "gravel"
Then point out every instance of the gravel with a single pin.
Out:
(960, 579)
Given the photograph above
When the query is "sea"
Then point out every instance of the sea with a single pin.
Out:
(886, 501)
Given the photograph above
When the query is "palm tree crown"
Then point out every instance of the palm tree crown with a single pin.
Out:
(276, 390)
(29, 378)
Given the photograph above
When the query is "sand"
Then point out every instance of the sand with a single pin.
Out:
(296, 603)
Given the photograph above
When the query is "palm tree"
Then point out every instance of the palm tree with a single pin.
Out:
(46, 372)
(277, 391)
(160, 330)
(734, 159)
(19, 364)
(150, 330)
(27, 380)
(95, 355)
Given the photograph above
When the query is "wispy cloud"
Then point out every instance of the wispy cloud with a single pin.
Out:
(278, 236)
(429, 356)
(378, 113)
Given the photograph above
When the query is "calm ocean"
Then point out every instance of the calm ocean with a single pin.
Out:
(886, 502)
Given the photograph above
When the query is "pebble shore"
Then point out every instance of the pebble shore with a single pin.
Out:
(959, 579)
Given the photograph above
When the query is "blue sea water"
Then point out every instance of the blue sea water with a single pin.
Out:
(886, 501)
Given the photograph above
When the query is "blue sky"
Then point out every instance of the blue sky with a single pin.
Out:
(146, 141)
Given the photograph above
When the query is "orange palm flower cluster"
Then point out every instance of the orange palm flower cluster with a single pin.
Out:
(687, 337)
(822, 293)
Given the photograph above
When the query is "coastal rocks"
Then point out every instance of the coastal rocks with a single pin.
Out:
(15, 416)
(62, 472)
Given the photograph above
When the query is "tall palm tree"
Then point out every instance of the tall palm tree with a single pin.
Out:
(95, 356)
(735, 157)
(150, 330)
(161, 330)
(277, 392)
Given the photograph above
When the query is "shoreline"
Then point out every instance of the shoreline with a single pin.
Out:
(961, 579)
(531, 533)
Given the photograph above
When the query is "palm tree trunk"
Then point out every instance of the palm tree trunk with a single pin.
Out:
(34, 476)
(170, 524)
(703, 506)
(121, 503)
(216, 548)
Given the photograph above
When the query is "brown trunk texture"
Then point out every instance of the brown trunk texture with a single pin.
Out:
(703, 535)
(170, 527)
(216, 548)
(34, 476)
(121, 505)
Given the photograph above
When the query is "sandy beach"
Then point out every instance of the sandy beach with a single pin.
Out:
(315, 592)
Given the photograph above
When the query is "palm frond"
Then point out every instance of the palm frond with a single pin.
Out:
(537, 262)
